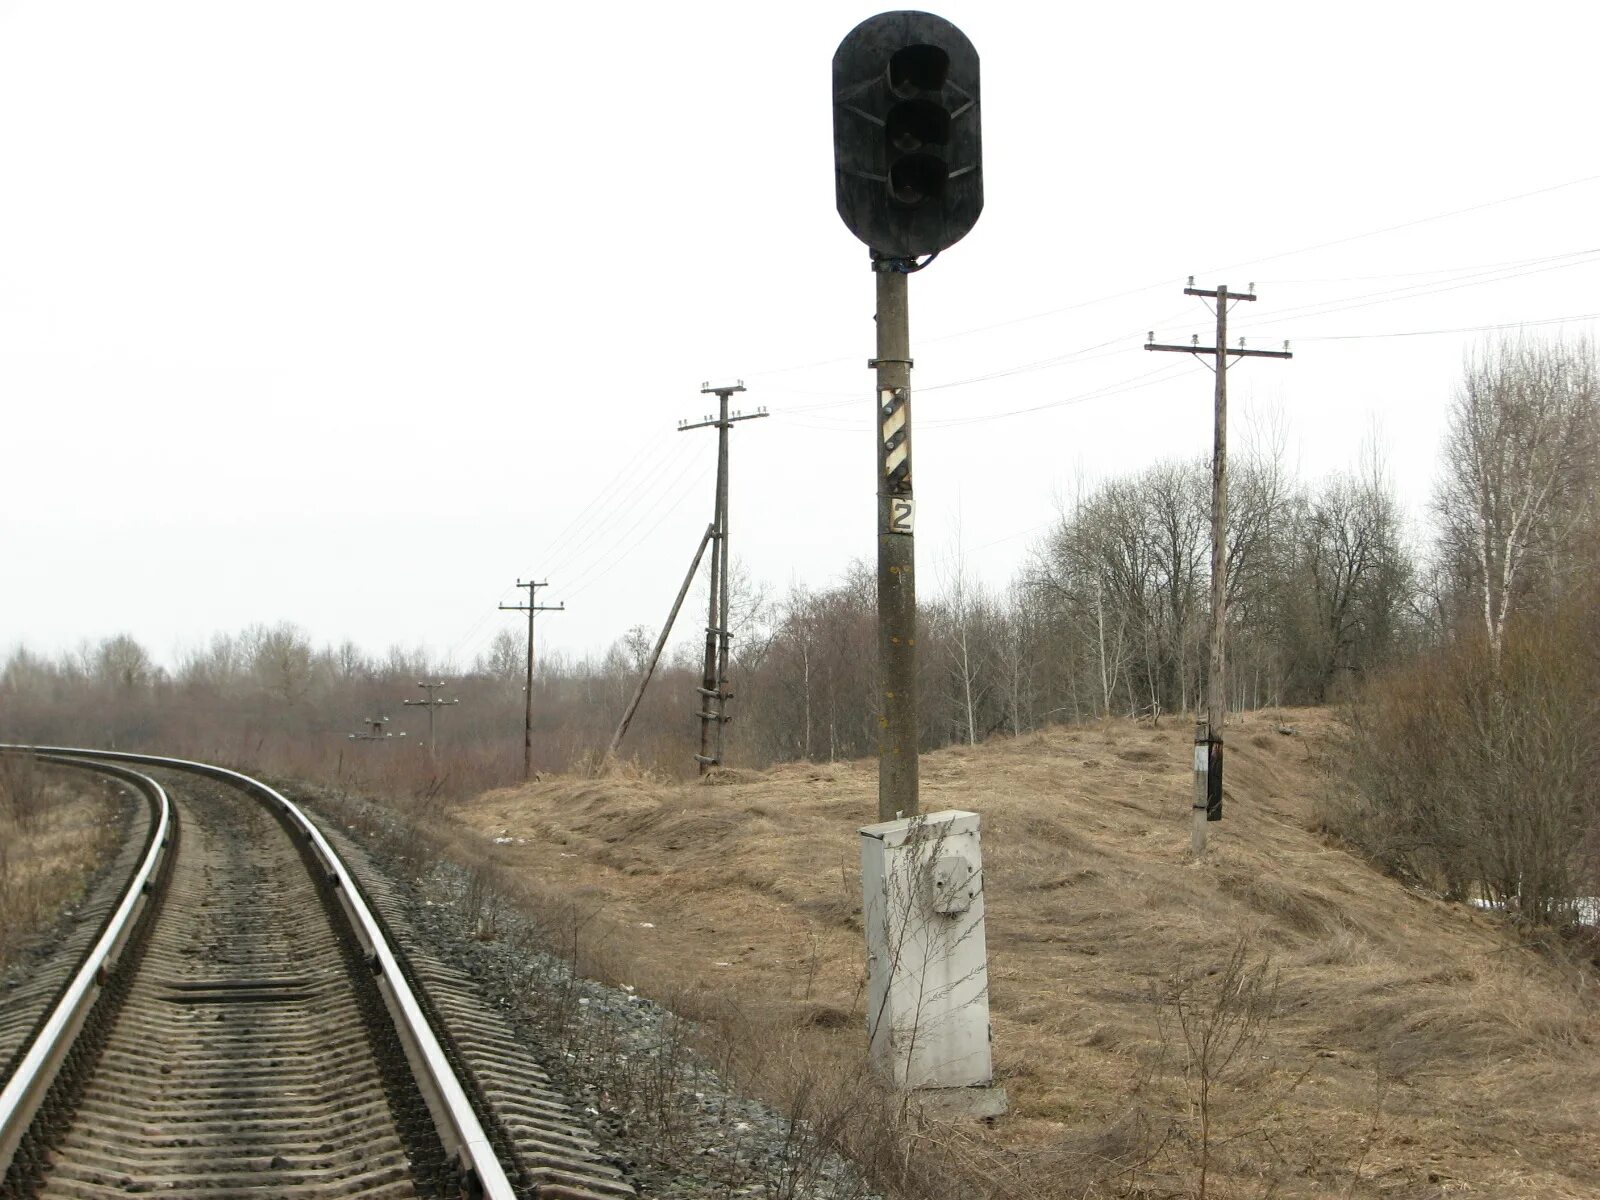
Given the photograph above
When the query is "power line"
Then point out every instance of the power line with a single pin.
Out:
(588, 535)
(1119, 387)
(1414, 291)
(1352, 337)
(472, 638)
(617, 554)
(597, 574)
(1453, 270)
(1496, 273)
(1455, 212)
(1340, 241)
(1465, 277)
(1109, 348)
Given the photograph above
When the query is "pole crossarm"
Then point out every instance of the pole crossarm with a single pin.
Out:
(1221, 293)
(432, 700)
(1211, 351)
(715, 423)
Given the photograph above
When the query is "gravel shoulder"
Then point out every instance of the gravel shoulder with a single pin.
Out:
(639, 1077)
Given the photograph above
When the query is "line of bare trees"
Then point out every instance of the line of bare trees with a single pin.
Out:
(1110, 616)
(1107, 618)
(1329, 601)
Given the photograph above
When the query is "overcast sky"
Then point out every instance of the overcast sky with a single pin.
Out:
(350, 314)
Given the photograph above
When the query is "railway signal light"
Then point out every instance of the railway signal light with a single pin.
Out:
(907, 144)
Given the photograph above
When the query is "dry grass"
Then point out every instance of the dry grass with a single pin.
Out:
(55, 829)
(1412, 1048)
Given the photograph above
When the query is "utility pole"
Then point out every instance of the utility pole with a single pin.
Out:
(430, 704)
(713, 690)
(531, 607)
(1208, 734)
(375, 730)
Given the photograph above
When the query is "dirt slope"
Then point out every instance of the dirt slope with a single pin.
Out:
(1417, 1049)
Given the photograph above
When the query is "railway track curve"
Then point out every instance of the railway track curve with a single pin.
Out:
(244, 1023)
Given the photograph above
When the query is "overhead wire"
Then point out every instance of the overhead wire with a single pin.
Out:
(614, 555)
(649, 533)
(1575, 258)
(1111, 346)
(1136, 383)
(1474, 276)
(471, 636)
(599, 517)
(1443, 216)
(1117, 387)
(1513, 262)
(1271, 320)
(646, 444)
(1339, 241)
(1353, 337)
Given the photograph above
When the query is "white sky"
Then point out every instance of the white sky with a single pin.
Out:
(342, 313)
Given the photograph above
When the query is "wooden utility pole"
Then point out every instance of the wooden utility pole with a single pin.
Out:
(898, 783)
(431, 703)
(531, 607)
(1208, 735)
(713, 690)
(655, 654)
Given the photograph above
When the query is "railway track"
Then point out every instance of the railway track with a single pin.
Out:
(242, 1022)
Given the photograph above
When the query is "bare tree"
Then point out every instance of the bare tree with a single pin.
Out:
(504, 659)
(1350, 580)
(1520, 456)
(964, 608)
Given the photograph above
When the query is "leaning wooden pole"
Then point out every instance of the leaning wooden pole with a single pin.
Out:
(655, 655)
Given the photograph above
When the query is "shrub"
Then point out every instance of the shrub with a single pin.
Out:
(1478, 777)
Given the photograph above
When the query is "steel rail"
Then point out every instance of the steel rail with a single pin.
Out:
(25, 1090)
(452, 1111)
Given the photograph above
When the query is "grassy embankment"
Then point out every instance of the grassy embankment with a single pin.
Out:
(1378, 1042)
(56, 827)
